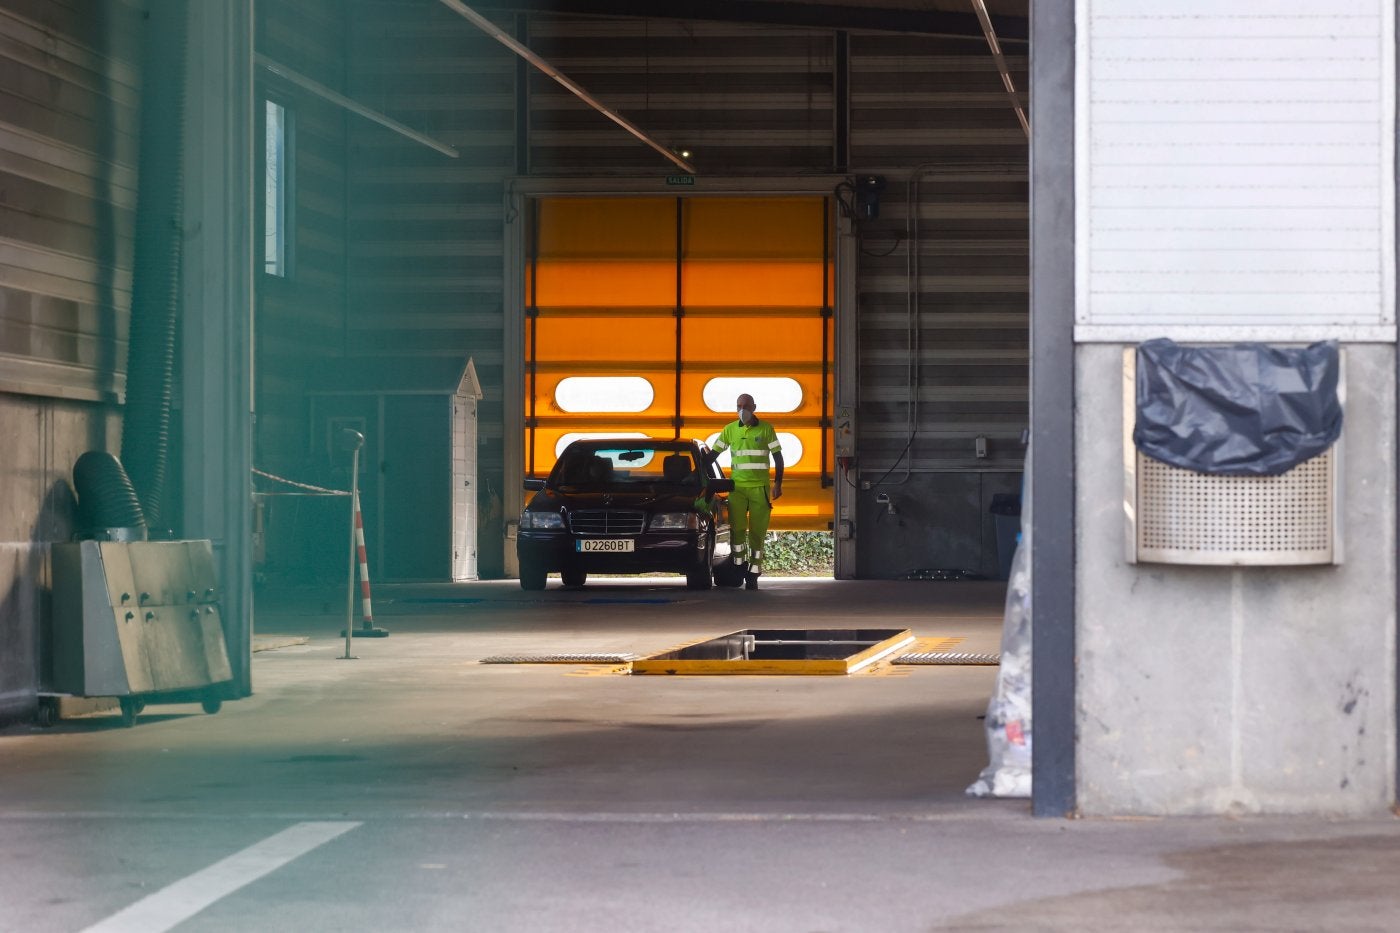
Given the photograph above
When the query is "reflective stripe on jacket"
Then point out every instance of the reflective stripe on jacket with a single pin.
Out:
(750, 448)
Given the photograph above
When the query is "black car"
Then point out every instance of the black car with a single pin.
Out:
(627, 505)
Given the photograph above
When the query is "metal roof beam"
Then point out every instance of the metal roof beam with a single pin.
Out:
(1010, 84)
(500, 35)
(355, 107)
(780, 13)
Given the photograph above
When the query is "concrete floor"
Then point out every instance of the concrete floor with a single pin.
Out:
(510, 797)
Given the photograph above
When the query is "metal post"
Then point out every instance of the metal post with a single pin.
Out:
(1051, 470)
(354, 440)
(216, 325)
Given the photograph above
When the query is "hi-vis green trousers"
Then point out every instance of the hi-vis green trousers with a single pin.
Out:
(749, 512)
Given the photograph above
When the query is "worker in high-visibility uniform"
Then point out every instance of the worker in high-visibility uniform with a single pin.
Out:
(751, 443)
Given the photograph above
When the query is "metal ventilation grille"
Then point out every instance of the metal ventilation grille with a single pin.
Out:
(1176, 516)
(1185, 517)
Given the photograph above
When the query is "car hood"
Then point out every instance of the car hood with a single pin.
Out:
(651, 500)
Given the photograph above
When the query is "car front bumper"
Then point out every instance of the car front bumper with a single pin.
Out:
(654, 552)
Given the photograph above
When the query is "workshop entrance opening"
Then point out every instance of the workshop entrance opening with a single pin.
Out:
(648, 316)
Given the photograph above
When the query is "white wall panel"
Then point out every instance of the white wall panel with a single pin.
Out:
(1234, 174)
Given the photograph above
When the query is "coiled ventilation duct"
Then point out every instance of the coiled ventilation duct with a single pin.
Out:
(107, 503)
(155, 289)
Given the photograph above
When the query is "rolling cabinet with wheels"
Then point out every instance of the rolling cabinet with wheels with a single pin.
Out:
(139, 621)
(47, 713)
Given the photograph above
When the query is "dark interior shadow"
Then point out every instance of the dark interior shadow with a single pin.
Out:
(96, 722)
(26, 610)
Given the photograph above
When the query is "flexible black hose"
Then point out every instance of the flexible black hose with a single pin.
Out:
(106, 498)
(155, 288)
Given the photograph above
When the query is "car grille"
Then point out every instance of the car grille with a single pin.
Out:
(607, 522)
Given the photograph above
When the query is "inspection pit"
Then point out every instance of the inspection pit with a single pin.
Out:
(780, 651)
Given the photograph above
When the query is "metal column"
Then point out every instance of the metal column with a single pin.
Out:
(217, 327)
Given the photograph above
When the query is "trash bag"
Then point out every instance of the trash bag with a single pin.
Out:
(1008, 722)
(1245, 410)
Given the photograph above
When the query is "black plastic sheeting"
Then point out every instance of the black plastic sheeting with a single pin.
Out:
(1245, 410)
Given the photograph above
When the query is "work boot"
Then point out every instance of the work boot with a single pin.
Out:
(750, 581)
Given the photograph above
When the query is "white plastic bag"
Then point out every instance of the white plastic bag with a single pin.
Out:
(1009, 711)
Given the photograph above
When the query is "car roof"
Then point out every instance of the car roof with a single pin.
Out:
(626, 443)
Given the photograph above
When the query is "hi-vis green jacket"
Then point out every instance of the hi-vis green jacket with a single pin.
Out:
(750, 446)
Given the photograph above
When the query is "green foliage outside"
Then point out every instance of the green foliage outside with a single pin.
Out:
(799, 553)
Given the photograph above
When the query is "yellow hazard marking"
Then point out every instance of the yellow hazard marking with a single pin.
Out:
(881, 668)
(610, 670)
(898, 643)
(943, 643)
(885, 669)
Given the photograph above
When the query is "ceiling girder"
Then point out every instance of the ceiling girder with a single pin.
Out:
(780, 13)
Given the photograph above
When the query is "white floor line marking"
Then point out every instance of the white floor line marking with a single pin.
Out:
(177, 902)
(937, 811)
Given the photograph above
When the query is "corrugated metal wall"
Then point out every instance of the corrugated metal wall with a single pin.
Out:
(300, 318)
(743, 99)
(931, 115)
(69, 95)
(1224, 198)
(426, 229)
(946, 360)
(426, 244)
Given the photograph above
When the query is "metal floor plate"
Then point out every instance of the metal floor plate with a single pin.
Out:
(946, 657)
(558, 659)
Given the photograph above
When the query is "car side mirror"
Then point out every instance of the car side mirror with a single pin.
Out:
(720, 485)
(535, 485)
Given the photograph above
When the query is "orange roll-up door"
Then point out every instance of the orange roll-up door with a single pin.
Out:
(637, 306)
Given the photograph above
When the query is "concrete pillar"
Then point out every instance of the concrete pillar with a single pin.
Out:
(1206, 690)
(1165, 207)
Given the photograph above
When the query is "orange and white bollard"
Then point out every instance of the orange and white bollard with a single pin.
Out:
(366, 629)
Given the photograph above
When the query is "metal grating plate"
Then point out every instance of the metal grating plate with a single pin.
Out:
(558, 658)
(946, 657)
(1187, 517)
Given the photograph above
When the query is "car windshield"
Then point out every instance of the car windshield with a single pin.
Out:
(627, 464)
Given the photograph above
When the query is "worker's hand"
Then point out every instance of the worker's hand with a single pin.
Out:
(777, 490)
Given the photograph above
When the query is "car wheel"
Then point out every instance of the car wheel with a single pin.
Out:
(574, 577)
(532, 576)
(699, 578)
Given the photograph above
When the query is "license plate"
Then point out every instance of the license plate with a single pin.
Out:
(606, 545)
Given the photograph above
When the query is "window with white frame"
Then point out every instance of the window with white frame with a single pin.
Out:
(276, 189)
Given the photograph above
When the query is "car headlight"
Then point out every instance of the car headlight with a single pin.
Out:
(674, 521)
(541, 520)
